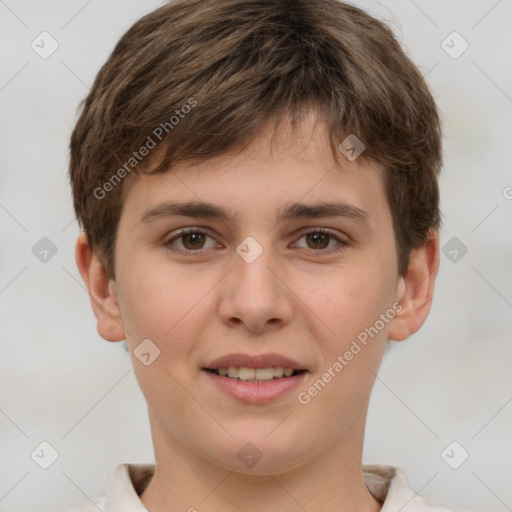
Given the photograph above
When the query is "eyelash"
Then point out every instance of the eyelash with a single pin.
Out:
(341, 243)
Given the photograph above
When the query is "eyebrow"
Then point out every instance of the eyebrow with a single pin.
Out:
(205, 210)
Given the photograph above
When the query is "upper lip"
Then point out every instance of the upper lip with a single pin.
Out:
(254, 361)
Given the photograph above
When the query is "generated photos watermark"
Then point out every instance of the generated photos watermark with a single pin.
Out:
(157, 135)
(304, 397)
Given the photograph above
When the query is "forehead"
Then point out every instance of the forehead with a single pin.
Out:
(290, 163)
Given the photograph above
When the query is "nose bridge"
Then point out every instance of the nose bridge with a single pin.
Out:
(252, 271)
(254, 282)
(253, 295)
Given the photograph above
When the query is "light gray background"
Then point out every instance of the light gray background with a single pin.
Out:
(61, 383)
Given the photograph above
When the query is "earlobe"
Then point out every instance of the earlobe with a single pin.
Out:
(102, 291)
(415, 289)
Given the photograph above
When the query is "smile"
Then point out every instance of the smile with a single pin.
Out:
(252, 388)
(246, 374)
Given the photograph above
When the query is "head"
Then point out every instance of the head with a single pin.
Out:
(238, 109)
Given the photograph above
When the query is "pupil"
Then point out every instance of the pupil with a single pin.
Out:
(318, 240)
(193, 240)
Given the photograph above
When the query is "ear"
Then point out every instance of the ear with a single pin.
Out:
(415, 289)
(102, 291)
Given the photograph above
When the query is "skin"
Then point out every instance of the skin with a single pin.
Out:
(305, 298)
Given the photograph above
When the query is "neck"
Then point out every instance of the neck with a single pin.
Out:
(183, 481)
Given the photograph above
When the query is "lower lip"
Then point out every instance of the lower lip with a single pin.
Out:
(256, 392)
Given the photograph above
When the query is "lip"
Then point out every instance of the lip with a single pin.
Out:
(256, 392)
(255, 361)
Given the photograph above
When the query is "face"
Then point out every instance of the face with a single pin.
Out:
(273, 259)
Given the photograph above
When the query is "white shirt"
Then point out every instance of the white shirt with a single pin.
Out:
(388, 484)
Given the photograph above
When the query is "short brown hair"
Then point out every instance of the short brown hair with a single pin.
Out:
(236, 64)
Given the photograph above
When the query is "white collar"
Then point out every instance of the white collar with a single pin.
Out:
(387, 483)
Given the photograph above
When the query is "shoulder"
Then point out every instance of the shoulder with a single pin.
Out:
(126, 484)
(389, 485)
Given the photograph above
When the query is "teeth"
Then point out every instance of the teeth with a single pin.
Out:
(246, 373)
(278, 371)
(264, 374)
(254, 374)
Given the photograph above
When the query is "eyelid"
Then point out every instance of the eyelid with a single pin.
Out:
(315, 229)
(342, 242)
(175, 235)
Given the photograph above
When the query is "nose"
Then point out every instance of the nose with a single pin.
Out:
(254, 295)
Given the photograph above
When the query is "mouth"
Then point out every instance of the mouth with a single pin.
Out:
(255, 379)
(261, 375)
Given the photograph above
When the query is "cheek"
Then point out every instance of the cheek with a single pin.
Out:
(161, 305)
(168, 305)
(345, 299)
(349, 302)
(154, 296)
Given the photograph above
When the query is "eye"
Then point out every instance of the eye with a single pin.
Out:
(193, 240)
(321, 239)
(196, 240)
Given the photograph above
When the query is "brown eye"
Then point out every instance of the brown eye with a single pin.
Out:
(322, 241)
(194, 240)
(318, 240)
(190, 240)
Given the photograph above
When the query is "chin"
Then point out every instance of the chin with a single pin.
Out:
(260, 456)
